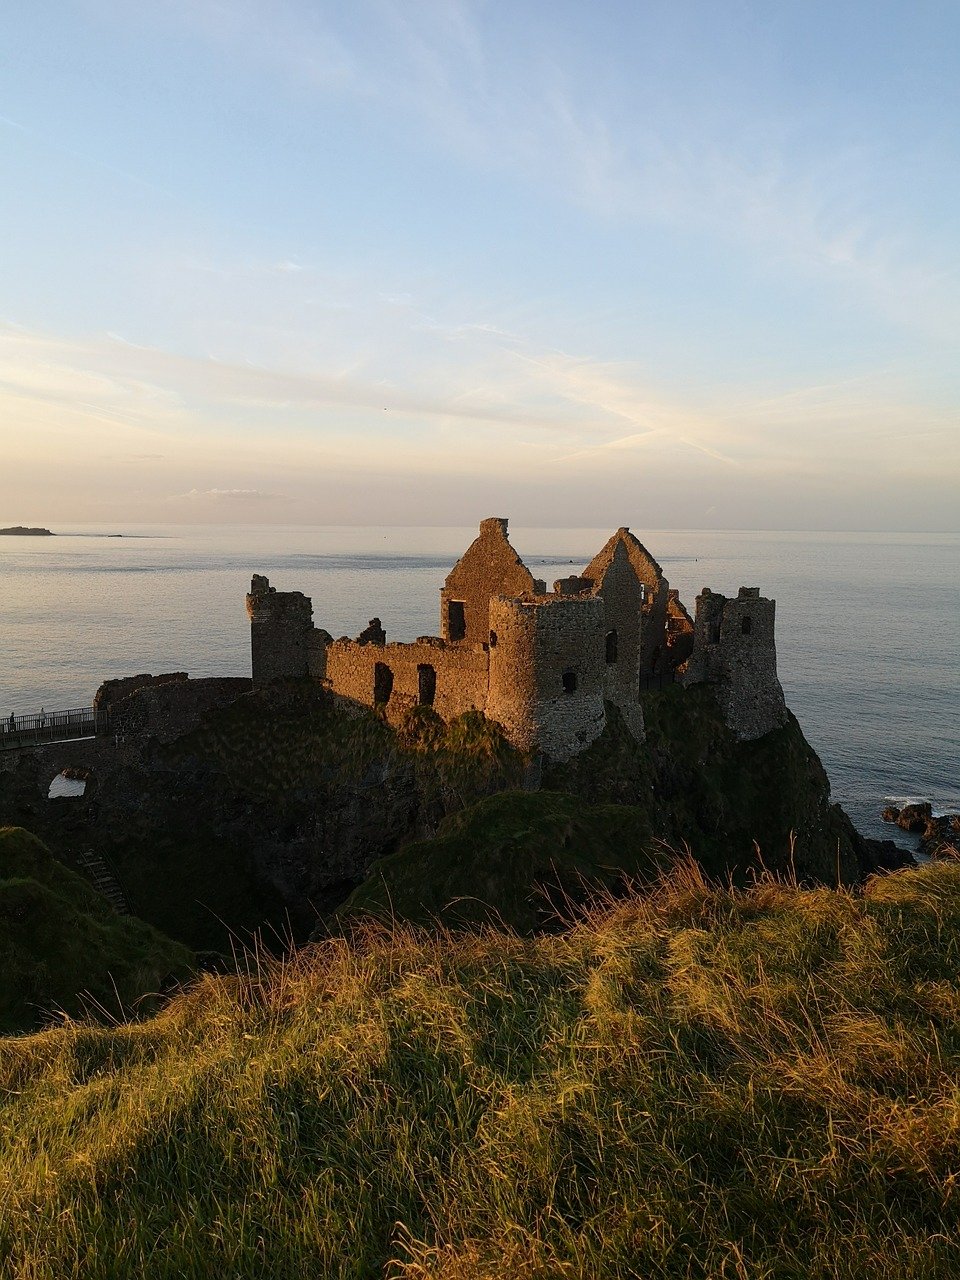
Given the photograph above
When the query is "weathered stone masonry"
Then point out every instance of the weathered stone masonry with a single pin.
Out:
(542, 664)
(734, 648)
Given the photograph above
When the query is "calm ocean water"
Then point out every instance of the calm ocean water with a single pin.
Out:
(868, 625)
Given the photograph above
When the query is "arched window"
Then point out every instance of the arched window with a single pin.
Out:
(382, 682)
(427, 684)
(611, 648)
(569, 682)
(745, 625)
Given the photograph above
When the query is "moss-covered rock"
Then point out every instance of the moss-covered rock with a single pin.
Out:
(276, 808)
(271, 811)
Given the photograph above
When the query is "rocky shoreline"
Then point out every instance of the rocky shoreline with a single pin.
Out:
(939, 837)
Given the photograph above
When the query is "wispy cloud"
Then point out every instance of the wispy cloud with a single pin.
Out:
(229, 496)
(803, 191)
(498, 403)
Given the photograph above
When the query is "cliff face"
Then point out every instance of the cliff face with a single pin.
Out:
(737, 805)
(617, 815)
(271, 810)
(265, 813)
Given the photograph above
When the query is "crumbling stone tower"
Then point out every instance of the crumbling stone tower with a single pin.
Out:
(643, 623)
(489, 567)
(284, 644)
(734, 649)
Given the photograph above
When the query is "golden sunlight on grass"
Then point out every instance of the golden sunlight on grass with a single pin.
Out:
(692, 1082)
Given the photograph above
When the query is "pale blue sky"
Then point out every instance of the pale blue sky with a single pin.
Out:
(415, 261)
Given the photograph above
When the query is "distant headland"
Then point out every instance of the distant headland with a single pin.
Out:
(21, 531)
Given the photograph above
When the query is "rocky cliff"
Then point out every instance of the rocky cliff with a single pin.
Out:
(271, 810)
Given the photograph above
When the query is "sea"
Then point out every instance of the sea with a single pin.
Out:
(868, 624)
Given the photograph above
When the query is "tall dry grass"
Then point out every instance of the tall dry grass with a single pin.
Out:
(694, 1082)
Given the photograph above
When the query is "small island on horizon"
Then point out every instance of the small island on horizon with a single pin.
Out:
(21, 531)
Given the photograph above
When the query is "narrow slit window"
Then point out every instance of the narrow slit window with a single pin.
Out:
(382, 682)
(456, 620)
(427, 683)
(611, 648)
(746, 625)
(569, 682)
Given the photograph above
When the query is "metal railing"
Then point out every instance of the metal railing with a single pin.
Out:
(53, 726)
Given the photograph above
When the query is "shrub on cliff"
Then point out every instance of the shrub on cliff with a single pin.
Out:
(698, 1082)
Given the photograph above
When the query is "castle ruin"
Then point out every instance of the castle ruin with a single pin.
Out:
(542, 664)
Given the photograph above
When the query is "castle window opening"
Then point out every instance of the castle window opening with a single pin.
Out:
(493, 639)
(745, 625)
(713, 632)
(611, 648)
(65, 785)
(382, 682)
(456, 619)
(427, 684)
(570, 682)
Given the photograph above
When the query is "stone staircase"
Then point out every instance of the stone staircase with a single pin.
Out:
(103, 880)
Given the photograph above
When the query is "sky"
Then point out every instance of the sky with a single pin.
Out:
(690, 264)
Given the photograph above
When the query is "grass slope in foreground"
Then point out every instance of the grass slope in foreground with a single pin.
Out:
(695, 1083)
(62, 946)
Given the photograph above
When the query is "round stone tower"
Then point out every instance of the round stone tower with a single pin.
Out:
(547, 670)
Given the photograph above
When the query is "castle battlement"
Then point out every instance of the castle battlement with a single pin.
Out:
(542, 664)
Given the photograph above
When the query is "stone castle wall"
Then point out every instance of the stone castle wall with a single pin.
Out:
(113, 691)
(458, 682)
(281, 632)
(622, 605)
(488, 567)
(167, 709)
(680, 630)
(144, 710)
(654, 593)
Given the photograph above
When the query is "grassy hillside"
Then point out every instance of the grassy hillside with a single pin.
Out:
(695, 1083)
(520, 859)
(62, 946)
